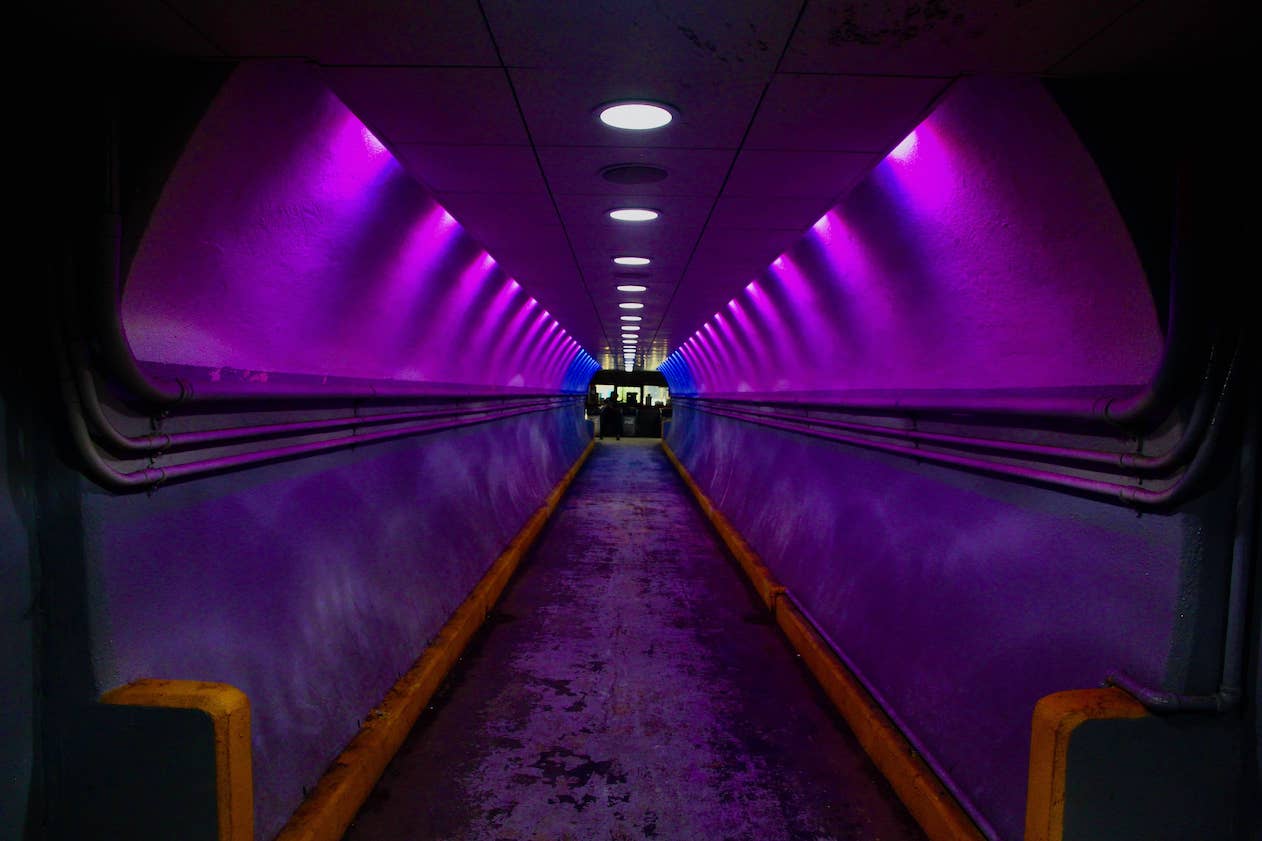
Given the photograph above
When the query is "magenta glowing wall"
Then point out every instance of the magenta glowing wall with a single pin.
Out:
(983, 253)
(288, 240)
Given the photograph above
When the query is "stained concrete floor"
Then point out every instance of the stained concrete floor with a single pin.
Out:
(630, 686)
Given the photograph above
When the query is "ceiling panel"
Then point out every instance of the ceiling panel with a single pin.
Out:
(768, 212)
(753, 248)
(690, 172)
(432, 104)
(477, 211)
(391, 32)
(472, 169)
(943, 38)
(796, 174)
(733, 39)
(560, 108)
(840, 113)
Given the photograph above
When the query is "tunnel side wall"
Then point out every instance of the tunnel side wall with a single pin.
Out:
(313, 585)
(985, 254)
(960, 599)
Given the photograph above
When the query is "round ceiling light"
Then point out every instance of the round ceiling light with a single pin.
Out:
(630, 327)
(633, 214)
(631, 305)
(635, 116)
(629, 335)
(631, 318)
(632, 261)
(631, 287)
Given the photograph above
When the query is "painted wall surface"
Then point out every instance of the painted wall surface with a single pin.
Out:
(960, 599)
(311, 585)
(289, 240)
(17, 655)
(984, 253)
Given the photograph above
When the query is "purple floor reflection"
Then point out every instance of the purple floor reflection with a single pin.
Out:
(630, 686)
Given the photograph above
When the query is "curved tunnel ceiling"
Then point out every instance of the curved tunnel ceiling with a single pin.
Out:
(782, 107)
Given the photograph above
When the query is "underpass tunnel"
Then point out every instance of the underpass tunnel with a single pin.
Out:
(398, 447)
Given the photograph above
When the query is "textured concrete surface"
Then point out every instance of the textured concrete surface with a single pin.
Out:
(629, 686)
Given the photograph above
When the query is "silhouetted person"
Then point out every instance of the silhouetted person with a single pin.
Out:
(611, 416)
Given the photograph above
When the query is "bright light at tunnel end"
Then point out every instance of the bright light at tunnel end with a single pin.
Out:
(633, 115)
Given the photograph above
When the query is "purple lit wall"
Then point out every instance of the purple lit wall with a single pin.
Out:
(289, 240)
(311, 585)
(983, 254)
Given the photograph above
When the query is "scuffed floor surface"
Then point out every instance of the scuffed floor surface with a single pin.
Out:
(630, 687)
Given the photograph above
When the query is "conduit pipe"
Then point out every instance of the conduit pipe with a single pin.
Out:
(1172, 458)
(104, 430)
(1230, 692)
(106, 474)
(1136, 496)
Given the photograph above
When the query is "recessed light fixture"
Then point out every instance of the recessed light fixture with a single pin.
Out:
(631, 305)
(635, 115)
(633, 214)
(632, 261)
(631, 287)
(631, 318)
(630, 174)
(630, 335)
(630, 327)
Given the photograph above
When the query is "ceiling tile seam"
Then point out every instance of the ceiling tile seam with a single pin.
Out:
(521, 114)
(359, 65)
(730, 167)
(639, 148)
(812, 150)
(1051, 68)
(908, 76)
(455, 145)
(193, 25)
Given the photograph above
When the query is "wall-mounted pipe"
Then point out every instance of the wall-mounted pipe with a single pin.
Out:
(104, 431)
(1230, 692)
(1127, 462)
(100, 470)
(1133, 495)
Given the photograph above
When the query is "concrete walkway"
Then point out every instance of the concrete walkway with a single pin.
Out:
(629, 687)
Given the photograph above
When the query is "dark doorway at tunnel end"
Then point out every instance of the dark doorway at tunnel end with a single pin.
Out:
(642, 398)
